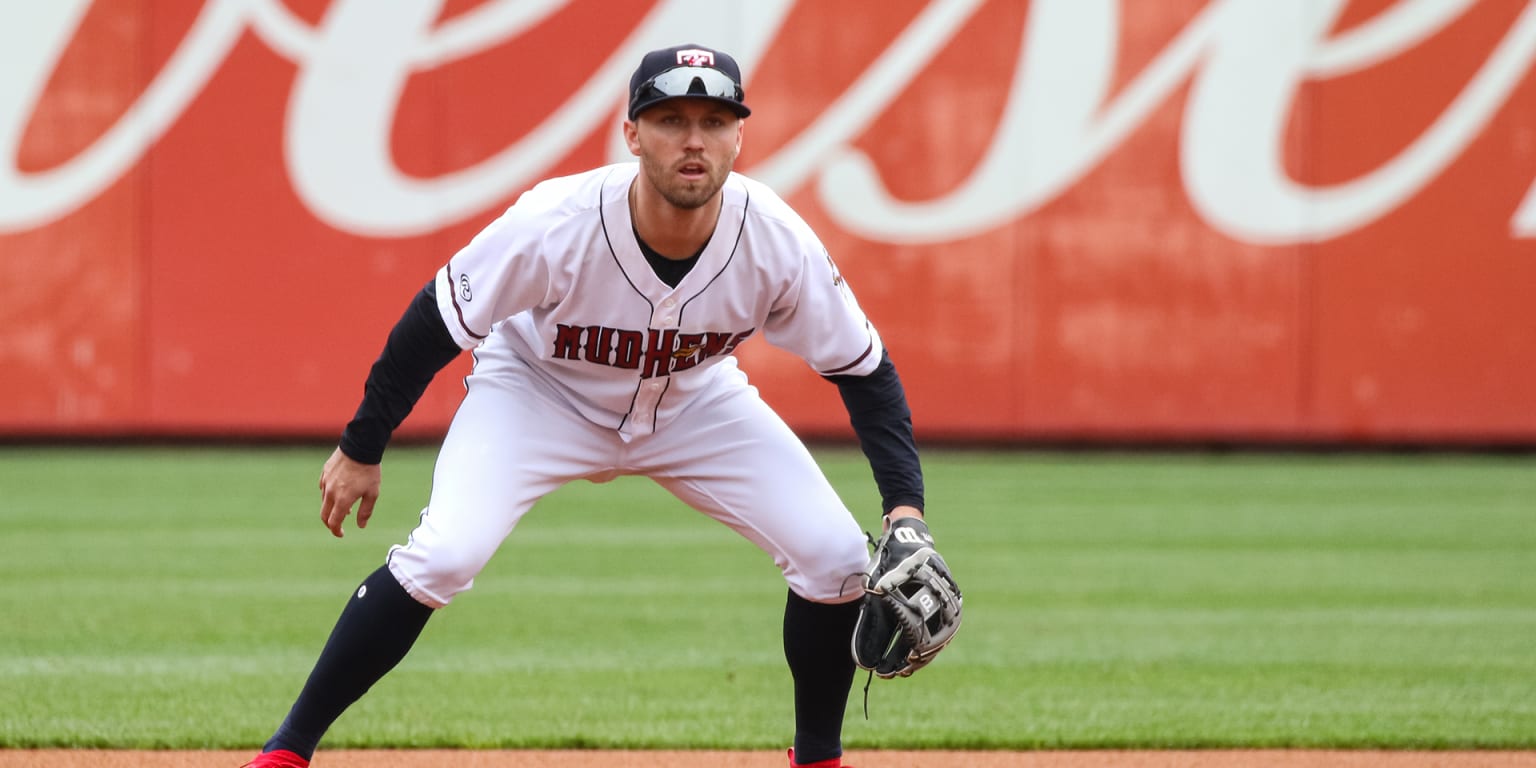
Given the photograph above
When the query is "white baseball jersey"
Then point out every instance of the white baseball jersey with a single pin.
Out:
(585, 359)
(559, 282)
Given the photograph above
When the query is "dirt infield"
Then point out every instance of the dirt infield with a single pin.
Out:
(627, 759)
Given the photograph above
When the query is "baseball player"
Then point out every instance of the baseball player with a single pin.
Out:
(603, 309)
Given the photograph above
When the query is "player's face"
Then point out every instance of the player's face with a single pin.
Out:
(686, 148)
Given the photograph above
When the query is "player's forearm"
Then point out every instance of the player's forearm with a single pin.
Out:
(877, 409)
(417, 348)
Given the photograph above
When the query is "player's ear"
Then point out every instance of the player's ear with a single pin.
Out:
(632, 137)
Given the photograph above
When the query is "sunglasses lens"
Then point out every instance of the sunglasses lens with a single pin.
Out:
(693, 81)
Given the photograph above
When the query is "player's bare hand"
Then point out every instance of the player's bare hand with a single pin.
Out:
(899, 512)
(344, 482)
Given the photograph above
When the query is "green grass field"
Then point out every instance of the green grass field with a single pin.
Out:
(176, 597)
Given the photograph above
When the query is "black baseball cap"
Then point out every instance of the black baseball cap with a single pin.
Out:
(689, 70)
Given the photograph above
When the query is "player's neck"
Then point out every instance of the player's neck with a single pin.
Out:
(673, 232)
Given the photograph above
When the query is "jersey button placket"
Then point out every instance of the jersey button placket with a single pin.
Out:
(650, 390)
(649, 395)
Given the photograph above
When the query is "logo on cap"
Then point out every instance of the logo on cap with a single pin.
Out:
(693, 57)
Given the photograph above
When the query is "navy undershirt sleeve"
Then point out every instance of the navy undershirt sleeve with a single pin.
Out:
(877, 409)
(417, 348)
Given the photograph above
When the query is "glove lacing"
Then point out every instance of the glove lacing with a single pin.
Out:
(868, 680)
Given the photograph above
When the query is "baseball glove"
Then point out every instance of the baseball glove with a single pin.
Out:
(911, 604)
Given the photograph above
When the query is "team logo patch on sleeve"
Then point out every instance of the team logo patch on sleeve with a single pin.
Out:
(837, 277)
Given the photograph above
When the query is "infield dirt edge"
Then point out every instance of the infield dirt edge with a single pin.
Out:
(72, 758)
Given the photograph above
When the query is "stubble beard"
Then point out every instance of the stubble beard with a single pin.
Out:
(680, 194)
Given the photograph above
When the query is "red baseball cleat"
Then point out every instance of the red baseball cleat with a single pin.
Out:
(836, 762)
(277, 758)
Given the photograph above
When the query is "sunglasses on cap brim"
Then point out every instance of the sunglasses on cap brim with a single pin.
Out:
(690, 81)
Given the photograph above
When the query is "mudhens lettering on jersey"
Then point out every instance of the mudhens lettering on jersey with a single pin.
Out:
(654, 351)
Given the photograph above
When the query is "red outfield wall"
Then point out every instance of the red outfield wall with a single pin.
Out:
(1071, 219)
